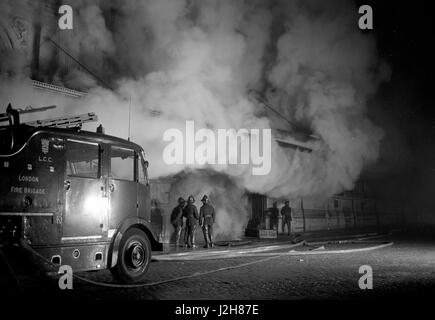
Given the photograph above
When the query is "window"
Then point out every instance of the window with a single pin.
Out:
(82, 159)
(122, 164)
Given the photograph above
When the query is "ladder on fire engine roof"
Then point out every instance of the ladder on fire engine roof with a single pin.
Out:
(65, 122)
(68, 122)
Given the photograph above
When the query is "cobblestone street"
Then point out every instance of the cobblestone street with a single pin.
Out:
(407, 267)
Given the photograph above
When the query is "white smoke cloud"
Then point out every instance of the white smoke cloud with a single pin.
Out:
(329, 69)
(197, 60)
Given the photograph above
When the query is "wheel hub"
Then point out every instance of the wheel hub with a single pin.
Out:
(137, 255)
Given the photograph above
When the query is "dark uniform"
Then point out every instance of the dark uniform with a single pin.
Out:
(286, 213)
(190, 212)
(206, 218)
(177, 220)
(274, 215)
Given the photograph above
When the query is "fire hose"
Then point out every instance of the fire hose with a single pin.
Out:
(112, 285)
(270, 256)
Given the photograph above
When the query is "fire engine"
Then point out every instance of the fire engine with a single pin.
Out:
(75, 197)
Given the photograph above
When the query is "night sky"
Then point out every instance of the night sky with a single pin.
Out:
(403, 106)
(405, 31)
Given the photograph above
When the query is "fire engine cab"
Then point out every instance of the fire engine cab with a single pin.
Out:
(75, 197)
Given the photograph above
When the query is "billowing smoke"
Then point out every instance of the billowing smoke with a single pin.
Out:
(178, 60)
(229, 200)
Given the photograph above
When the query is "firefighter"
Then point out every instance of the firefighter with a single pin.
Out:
(190, 212)
(206, 220)
(177, 220)
(286, 214)
(274, 216)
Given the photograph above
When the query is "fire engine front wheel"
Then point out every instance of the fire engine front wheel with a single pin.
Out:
(134, 256)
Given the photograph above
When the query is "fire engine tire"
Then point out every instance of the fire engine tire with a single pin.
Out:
(134, 257)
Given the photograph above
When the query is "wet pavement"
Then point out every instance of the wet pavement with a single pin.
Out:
(319, 268)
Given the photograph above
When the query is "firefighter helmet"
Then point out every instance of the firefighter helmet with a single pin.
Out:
(191, 199)
(181, 200)
(204, 198)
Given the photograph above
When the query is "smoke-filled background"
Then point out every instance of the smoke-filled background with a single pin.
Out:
(177, 60)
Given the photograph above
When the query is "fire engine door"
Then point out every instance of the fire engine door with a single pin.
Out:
(86, 206)
(122, 185)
